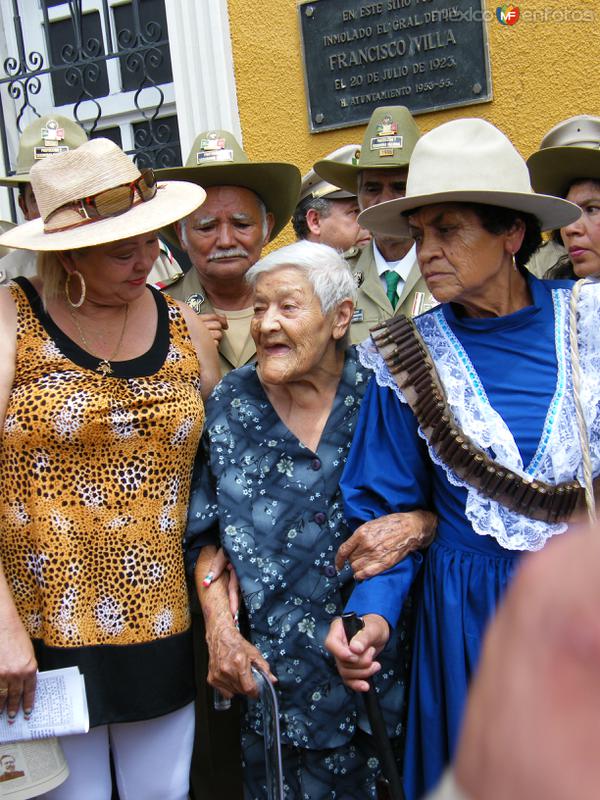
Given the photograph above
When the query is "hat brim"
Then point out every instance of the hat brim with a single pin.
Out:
(387, 218)
(276, 183)
(173, 200)
(346, 175)
(14, 180)
(553, 169)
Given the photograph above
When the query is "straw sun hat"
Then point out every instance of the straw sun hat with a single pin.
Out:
(61, 181)
(467, 161)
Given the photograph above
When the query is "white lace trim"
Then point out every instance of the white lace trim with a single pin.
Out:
(558, 456)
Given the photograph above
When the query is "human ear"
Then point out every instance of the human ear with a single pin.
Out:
(343, 317)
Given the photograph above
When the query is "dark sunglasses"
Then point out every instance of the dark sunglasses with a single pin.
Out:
(115, 201)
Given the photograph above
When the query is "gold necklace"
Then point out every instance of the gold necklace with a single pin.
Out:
(104, 366)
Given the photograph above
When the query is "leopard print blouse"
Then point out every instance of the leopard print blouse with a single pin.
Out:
(94, 483)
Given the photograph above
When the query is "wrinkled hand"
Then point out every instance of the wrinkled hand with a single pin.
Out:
(381, 543)
(216, 324)
(18, 668)
(217, 567)
(230, 660)
(355, 661)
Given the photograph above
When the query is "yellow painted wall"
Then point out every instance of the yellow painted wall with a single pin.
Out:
(542, 71)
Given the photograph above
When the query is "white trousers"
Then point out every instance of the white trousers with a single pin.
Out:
(151, 758)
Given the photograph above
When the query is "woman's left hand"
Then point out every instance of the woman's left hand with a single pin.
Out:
(230, 661)
(381, 543)
(217, 567)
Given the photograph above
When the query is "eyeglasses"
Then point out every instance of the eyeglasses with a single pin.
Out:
(111, 202)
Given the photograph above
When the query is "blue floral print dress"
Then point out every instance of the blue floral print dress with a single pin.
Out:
(279, 512)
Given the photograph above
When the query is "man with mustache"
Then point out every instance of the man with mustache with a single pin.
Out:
(247, 205)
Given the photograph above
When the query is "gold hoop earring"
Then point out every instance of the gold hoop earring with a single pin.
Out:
(67, 290)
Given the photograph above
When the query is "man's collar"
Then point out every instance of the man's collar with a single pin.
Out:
(402, 266)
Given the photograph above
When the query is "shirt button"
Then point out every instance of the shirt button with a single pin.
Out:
(320, 517)
(330, 571)
(315, 464)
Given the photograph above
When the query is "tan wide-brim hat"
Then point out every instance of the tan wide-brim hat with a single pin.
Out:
(467, 161)
(570, 151)
(388, 143)
(313, 185)
(96, 166)
(50, 135)
(216, 159)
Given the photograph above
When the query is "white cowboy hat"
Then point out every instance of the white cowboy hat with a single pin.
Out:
(467, 161)
(66, 187)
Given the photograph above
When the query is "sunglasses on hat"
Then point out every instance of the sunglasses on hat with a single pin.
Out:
(110, 202)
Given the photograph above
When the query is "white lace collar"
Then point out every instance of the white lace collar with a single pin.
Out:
(558, 456)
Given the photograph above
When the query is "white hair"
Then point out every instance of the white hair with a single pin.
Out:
(263, 221)
(325, 269)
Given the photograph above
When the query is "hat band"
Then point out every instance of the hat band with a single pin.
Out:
(103, 205)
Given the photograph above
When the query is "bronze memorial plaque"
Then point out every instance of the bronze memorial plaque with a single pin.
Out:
(423, 54)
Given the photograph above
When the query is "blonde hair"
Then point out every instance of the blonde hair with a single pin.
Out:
(52, 274)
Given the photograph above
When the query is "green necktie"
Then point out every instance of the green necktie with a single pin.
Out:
(391, 279)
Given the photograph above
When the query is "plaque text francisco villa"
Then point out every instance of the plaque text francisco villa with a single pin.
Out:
(424, 54)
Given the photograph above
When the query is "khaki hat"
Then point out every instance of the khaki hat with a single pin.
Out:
(216, 159)
(314, 186)
(46, 136)
(388, 143)
(61, 181)
(570, 150)
(467, 161)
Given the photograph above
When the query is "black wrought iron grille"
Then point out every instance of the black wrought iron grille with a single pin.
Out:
(76, 65)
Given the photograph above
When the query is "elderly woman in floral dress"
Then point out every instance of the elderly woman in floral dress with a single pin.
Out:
(278, 435)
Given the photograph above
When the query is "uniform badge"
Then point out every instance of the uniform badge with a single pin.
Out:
(387, 126)
(194, 301)
(359, 279)
(213, 149)
(387, 139)
(356, 158)
(358, 315)
(51, 135)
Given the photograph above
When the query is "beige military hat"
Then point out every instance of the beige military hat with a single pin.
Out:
(314, 186)
(388, 143)
(569, 151)
(44, 137)
(216, 159)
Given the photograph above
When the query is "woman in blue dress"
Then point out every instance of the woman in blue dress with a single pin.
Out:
(500, 344)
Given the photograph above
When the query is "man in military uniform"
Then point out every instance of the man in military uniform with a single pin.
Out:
(386, 270)
(327, 214)
(247, 205)
(52, 135)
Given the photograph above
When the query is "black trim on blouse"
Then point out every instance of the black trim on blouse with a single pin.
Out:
(147, 364)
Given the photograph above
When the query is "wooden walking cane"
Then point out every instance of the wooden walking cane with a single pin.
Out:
(389, 785)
